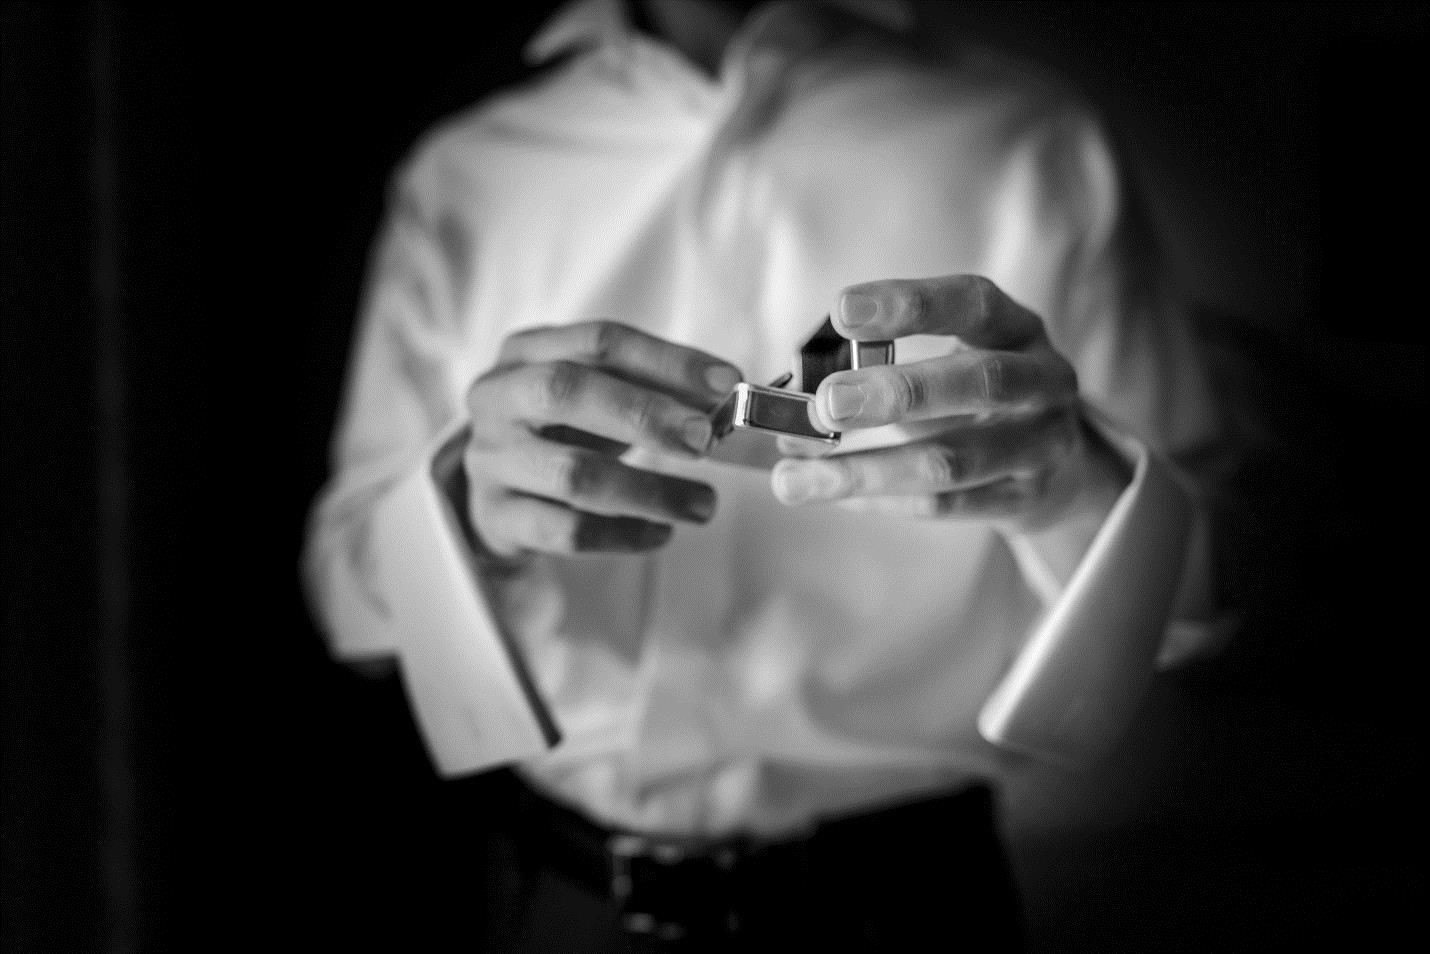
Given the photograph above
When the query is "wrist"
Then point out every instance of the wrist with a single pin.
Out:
(1062, 533)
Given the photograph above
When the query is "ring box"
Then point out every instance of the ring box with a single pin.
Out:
(749, 422)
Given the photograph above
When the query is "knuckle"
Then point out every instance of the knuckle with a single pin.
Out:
(642, 412)
(933, 468)
(983, 298)
(682, 366)
(943, 467)
(983, 295)
(518, 342)
(556, 385)
(559, 472)
(993, 379)
(603, 339)
(907, 392)
(580, 475)
(916, 305)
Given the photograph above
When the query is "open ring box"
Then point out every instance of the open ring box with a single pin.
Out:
(749, 422)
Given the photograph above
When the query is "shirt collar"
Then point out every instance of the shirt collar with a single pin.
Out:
(598, 23)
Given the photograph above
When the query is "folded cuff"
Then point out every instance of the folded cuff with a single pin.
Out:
(468, 685)
(1075, 685)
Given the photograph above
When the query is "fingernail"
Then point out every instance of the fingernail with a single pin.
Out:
(721, 379)
(696, 434)
(701, 506)
(855, 309)
(843, 400)
(795, 482)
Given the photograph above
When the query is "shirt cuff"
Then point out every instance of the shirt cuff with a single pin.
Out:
(1075, 685)
(471, 693)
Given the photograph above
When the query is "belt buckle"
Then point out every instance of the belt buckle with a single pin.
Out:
(630, 852)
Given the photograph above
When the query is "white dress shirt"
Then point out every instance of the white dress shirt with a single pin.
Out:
(777, 663)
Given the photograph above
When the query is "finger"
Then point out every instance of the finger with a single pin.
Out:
(576, 396)
(956, 460)
(969, 382)
(968, 306)
(512, 524)
(798, 447)
(626, 352)
(1006, 499)
(594, 483)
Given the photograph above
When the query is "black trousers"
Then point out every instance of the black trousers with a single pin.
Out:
(929, 875)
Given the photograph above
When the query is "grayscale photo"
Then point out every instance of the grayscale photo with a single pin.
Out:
(671, 476)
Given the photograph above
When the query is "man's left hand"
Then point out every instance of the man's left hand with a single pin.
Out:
(1008, 444)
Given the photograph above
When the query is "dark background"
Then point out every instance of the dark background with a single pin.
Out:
(187, 202)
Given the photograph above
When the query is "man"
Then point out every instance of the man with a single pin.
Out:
(749, 706)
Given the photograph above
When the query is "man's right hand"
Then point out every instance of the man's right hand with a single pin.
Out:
(550, 421)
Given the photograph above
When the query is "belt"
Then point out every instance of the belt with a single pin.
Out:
(674, 888)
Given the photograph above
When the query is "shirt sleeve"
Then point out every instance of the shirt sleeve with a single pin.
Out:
(1144, 593)
(386, 568)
